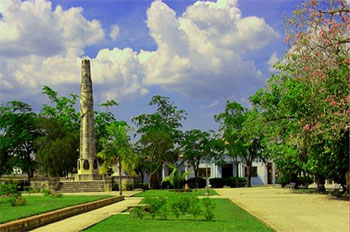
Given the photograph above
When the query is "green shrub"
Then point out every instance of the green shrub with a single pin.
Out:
(46, 192)
(56, 194)
(195, 208)
(115, 186)
(9, 189)
(217, 182)
(192, 183)
(17, 201)
(208, 207)
(174, 206)
(231, 181)
(283, 180)
(163, 212)
(153, 204)
(129, 186)
(138, 212)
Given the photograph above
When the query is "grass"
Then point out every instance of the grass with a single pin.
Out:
(40, 204)
(228, 217)
(167, 192)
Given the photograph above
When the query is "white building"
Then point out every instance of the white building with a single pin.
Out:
(262, 173)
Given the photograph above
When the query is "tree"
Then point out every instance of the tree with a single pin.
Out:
(308, 102)
(117, 148)
(17, 126)
(157, 148)
(102, 120)
(230, 120)
(159, 133)
(63, 109)
(57, 148)
(194, 149)
(175, 177)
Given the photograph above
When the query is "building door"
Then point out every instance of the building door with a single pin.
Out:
(227, 170)
(269, 173)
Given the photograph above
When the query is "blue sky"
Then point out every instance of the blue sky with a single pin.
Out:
(198, 53)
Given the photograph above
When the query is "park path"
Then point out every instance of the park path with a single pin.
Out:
(286, 211)
(85, 220)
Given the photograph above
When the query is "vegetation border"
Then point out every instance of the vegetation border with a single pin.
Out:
(32, 222)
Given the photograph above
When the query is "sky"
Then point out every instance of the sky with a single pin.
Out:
(198, 53)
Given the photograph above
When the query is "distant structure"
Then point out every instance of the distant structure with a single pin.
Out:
(87, 163)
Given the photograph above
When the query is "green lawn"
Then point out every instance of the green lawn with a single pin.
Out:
(167, 192)
(40, 204)
(228, 217)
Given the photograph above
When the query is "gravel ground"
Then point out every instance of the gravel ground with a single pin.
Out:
(286, 211)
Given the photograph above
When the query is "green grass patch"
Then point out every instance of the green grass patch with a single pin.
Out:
(228, 217)
(167, 192)
(40, 204)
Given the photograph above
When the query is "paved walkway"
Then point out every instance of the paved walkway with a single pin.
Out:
(85, 220)
(292, 212)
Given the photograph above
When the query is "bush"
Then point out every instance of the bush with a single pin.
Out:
(46, 192)
(140, 185)
(17, 201)
(174, 206)
(217, 182)
(154, 204)
(9, 189)
(115, 186)
(208, 207)
(129, 186)
(195, 208)
(231, 181)
(192, 183)
(138, 212)
(163, 212)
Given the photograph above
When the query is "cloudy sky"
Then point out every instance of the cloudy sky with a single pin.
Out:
(199, 53)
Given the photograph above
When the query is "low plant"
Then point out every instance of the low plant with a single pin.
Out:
(138, 212)
(129, 186)
(17, 201)
(163, 212)
(174, 205)
(153, 204)
(208, 207)
(9, 189)
(46, 192)
(195, 208)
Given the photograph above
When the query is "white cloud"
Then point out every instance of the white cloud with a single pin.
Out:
(272, 61)
(114, 32)
(34, 28)
(201, 52)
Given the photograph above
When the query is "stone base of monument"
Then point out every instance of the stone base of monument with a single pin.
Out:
(86, 186)
(87, 177)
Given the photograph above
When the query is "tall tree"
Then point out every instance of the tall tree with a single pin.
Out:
(159, 132)
(231, 120)
(117, 148)
(17, 126)
(57, 148)
(194, 148)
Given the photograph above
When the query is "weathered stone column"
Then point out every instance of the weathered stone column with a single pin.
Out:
(87, 163)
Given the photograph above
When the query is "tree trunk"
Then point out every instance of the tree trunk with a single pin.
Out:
(249, 167)
(237, 180)
(120, 179)
(320, 180)
(149, 180)
(196, 177)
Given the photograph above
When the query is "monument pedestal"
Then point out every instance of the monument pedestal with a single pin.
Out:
(87, 170)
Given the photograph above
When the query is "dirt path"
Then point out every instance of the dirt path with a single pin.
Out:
(286, 211)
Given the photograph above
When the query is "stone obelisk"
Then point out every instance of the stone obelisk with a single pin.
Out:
(87, 163)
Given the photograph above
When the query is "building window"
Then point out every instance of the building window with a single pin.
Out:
(201, 172)
(254, 171)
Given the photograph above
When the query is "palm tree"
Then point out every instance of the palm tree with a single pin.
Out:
(117, 148)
